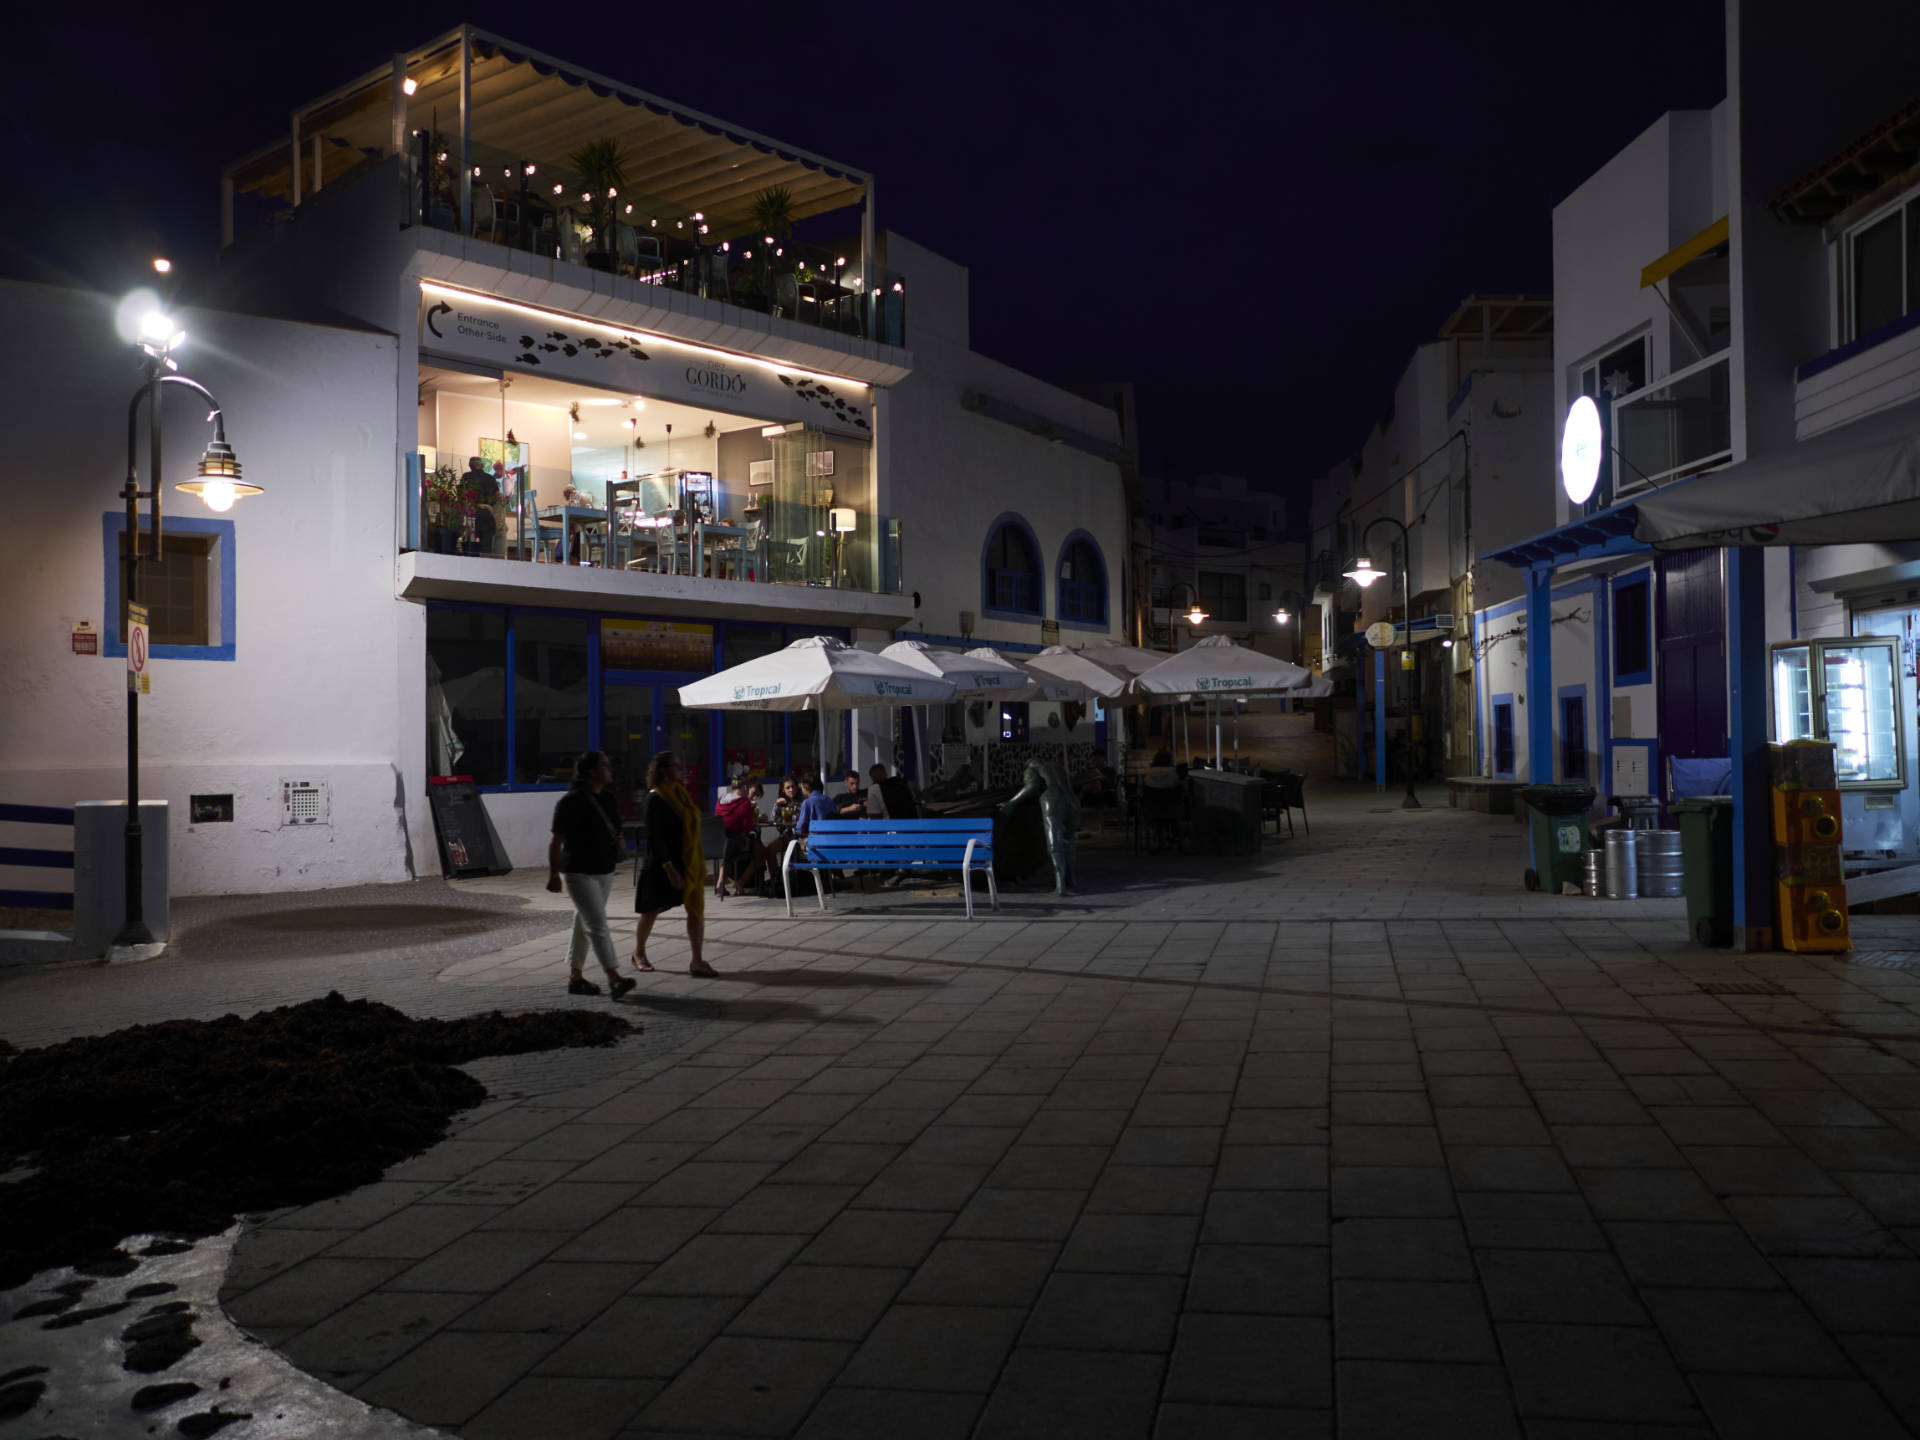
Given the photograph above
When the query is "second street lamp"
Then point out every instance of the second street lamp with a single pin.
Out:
(1363, 573)
(218, 483)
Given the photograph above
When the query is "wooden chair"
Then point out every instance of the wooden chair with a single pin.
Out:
(539, 531)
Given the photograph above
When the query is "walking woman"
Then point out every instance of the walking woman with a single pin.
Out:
(582, 855)
(675, 872)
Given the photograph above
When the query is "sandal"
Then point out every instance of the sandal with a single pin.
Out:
(703, 970)
(640, 962)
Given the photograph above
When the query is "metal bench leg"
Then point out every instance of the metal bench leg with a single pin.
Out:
(820, 890)
(993, 890)
(966, 876)
(786, 878)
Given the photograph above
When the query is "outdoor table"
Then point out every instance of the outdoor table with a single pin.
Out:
(1226, 812)
(586, 516)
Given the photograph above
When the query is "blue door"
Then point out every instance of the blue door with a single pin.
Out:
(1690, 638)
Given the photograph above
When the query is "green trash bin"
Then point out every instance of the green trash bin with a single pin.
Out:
(1557, 821)
(1706, 864)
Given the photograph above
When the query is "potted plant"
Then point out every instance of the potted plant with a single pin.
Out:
(602, 171)
(446, 511)
(773, 221)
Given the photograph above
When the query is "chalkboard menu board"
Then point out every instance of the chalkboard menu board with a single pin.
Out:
(467, 845)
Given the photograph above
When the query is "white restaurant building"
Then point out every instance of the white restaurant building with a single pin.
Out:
(759, 448)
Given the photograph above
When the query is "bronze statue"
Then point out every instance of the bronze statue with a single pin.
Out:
(1059, 810)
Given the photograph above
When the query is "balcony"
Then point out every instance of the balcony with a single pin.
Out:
(509, 164)
(1674, 427)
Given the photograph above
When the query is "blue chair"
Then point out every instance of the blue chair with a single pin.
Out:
(533, 528)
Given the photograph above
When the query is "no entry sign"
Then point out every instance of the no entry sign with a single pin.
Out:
(137, 648)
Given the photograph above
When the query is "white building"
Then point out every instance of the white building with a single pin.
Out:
(1222, 546)
(1468, 424)
(1735, 293)
(745, 448)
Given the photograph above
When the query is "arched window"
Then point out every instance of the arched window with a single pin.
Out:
(1083, 582)
(1010, 579)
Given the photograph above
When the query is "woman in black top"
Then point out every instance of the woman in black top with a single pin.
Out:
(582, 855)
(675, 870)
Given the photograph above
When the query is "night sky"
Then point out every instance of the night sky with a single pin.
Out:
(1253, 214)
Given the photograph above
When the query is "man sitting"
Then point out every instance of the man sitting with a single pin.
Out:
(890, 797)
(853, 804)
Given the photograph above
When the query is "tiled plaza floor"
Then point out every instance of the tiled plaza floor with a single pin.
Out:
(1356, 1138)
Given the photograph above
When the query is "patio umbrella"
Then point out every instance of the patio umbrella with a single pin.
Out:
(978, 674)
(1128, 659)
(818, 673)
(1059, 663)
(1217, 668)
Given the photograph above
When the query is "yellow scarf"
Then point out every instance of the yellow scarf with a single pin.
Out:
(694, 870)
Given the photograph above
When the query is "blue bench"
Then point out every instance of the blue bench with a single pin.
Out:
(891, 845)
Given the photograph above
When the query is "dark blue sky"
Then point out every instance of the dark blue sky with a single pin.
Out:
(1253, 213)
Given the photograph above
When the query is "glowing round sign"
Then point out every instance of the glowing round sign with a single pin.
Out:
(1580, 450)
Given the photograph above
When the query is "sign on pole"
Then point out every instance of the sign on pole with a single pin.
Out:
(137, 649)
(1380, 634)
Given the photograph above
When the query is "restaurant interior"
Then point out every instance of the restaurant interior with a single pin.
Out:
(572, 474)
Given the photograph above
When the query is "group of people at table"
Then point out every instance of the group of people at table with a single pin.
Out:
(759, 833)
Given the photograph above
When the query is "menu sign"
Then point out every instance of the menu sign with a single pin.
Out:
(655, 645)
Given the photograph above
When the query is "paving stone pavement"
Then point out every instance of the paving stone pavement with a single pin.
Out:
(1355, 1138)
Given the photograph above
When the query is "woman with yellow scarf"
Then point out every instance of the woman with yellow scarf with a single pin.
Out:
(675, 871)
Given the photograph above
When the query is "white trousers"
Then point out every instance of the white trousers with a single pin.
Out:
(590, 894)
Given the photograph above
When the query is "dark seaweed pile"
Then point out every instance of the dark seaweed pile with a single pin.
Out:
(176, 1128)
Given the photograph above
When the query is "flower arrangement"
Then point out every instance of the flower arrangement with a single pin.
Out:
(446, 494)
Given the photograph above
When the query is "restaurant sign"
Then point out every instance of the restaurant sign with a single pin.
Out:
(519, 340)
(655, 645)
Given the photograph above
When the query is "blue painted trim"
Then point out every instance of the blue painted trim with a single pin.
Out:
(416, 465)
(1460, 395)
(1793, 591)
(1561, 696)
(1626, 582)
(987, 608)
(1504, 697)
(36, 859)
(1600, 722)
(1504, 609)
(113, 522)
(1892, 330)
(1746, 581)
(1380, 718)
(1059, 609)
(594, 705)
(513, 680)
(1539, 696)
(36, 814)
(1603, 533)
(527, 789)
(1479, 694)
(37, 899)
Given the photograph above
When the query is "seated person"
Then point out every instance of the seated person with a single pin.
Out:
(1100, 786)
(742, 825)
(815, 806)
(1161, 774)
(890, 797)
(852, 805)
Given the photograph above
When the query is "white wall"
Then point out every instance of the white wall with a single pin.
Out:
(950, 471)
(325, 681)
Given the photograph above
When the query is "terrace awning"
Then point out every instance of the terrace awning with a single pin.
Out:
(528, 106)
(1855, 483)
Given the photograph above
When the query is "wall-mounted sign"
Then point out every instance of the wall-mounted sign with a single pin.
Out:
(137, 649)
(1380, 634)
(86, 639)
(1581, 448)
(517, 339)
(656, 645)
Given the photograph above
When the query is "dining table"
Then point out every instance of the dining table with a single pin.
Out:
(585, 517)
(736, 537)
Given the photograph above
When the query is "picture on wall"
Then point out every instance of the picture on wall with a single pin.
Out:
(508, 462)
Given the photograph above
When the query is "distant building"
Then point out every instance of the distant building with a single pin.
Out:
(1222, 547)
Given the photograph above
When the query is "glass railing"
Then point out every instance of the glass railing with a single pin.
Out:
(1674, 427)
(822, 547)
(529, 203)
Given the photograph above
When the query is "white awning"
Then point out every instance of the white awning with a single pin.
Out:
(1859, 482)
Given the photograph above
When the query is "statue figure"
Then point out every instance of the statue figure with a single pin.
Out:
(1059, 811)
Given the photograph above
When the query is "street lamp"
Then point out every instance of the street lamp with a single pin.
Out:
(217, 482)
(1363, 573)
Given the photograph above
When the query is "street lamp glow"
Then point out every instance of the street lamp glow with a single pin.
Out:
(217, 480)
(1283, 616)
(155, 326)
(1362, 573)
(162, 265)
(409, 85)
(1196, 615)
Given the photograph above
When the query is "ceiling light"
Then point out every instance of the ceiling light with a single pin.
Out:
(409, 85)
(579, 434)
(162, 265)
(1362, 573)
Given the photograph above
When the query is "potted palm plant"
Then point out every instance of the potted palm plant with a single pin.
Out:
(602, 171)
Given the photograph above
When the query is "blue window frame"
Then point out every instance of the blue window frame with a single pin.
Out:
(1573, 733)
(219, 580)
(1083, 583)
(1503, 737)
(1010, 570)
(1633, 629)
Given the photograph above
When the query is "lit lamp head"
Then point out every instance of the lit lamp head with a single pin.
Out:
(1581, 448)
(1362, 572)
(218, 482)
(1196, 616)
(1283, 616)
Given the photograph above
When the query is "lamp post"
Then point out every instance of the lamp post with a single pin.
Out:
(218, 483)
(1363, 574)
(1196, 617)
